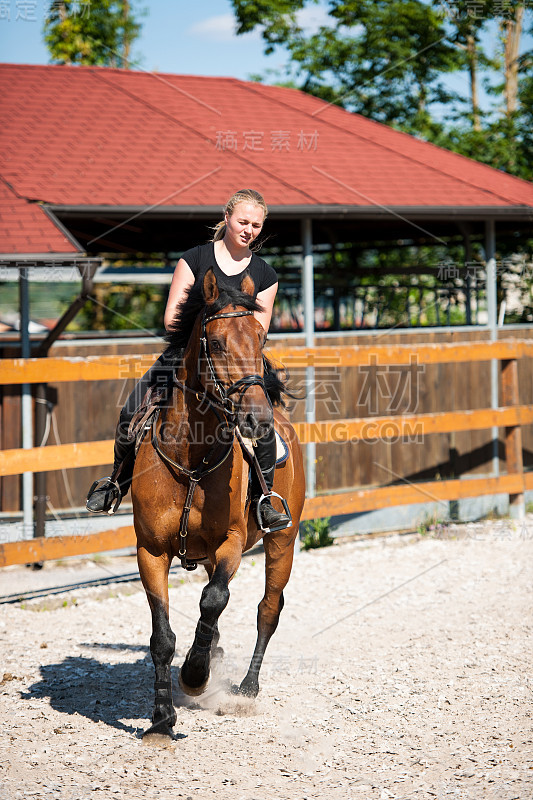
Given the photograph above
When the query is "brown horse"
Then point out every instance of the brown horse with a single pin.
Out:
(218, 391)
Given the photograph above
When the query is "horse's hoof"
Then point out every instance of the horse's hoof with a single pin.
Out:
(193, 691)
(161, 728)
(248, 690)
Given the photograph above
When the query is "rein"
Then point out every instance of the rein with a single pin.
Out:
(228, 408)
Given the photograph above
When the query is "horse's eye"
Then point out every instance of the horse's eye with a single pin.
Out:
(216, 346)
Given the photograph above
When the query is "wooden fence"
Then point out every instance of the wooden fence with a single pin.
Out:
(510, 416)
(88, 410)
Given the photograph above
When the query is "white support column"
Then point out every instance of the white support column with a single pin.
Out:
(26, 403)
(492, 310)
(308, 294)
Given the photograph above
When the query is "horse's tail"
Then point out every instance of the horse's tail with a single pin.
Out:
(276, 384)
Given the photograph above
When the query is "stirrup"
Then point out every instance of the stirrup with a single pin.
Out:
(95, 487)
(285, 509)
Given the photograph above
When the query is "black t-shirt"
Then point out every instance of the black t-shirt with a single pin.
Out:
(202, 257)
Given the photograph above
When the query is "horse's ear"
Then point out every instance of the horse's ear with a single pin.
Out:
(247, 284)
(210, 287)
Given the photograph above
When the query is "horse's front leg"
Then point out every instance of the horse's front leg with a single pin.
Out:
(216, 650)
(154, 575)
(215, 596)
(279, 551)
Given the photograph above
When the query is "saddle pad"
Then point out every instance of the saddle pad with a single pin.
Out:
(282, 450)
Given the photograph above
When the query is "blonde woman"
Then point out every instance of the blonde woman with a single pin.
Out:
(230, 253)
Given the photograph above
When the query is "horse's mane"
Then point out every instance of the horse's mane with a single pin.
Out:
(194, 304)
(186, 315)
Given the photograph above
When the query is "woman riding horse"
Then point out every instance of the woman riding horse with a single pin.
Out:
(191, 483)
(230, 254)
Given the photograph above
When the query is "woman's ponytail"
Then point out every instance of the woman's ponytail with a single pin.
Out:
(219, 230)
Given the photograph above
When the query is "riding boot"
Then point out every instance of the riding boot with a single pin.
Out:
(106, 494)
(268, 518)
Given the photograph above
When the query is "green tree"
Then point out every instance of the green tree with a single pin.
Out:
(122, 307)
(387, 60)
(525, 123)
(501, 137)
(381, 58)
(511, 31)
(466, 29)
(98, 32)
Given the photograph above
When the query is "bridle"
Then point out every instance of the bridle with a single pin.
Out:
(241, 386)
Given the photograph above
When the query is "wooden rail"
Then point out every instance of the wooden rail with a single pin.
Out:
(103, 368)
(511, 416)
(31, 551)
(55, 547)
(407, 426)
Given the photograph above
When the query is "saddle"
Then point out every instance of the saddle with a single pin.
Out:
(282, 449)
(141, 420)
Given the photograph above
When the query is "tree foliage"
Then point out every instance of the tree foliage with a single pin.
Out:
(122, 307)
(95, 32)
(388, 60)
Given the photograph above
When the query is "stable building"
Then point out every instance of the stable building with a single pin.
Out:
(99, 163)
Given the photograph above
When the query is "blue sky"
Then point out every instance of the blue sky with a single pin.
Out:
(179, 37)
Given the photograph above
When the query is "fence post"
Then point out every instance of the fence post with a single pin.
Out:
(492, 324)
(26, 403)
(309, 330)
(513, 434)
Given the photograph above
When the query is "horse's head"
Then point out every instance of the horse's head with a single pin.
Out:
(231, 368)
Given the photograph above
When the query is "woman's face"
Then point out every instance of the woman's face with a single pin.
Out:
(245, 224)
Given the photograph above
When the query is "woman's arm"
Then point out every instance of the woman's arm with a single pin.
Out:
(266, 298)
(182, 280)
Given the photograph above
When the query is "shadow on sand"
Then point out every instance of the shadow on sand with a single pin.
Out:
(110, 693)
(102, 692)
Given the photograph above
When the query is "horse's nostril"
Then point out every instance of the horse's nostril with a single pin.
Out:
(263, 429)
(251, 422)
(253, 426)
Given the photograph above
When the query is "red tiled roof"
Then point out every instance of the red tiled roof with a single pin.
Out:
(466, 171)
(97, 136)
(26, 228)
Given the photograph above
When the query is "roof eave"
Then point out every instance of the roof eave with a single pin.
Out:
(47, 259)
(59, 225)
(518, 212)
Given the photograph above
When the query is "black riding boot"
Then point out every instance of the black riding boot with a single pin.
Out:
(268, 518)
(107, 493)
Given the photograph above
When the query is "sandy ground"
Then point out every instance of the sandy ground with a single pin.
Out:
(401, 669)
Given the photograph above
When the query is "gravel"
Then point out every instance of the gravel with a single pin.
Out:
(401, 668)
